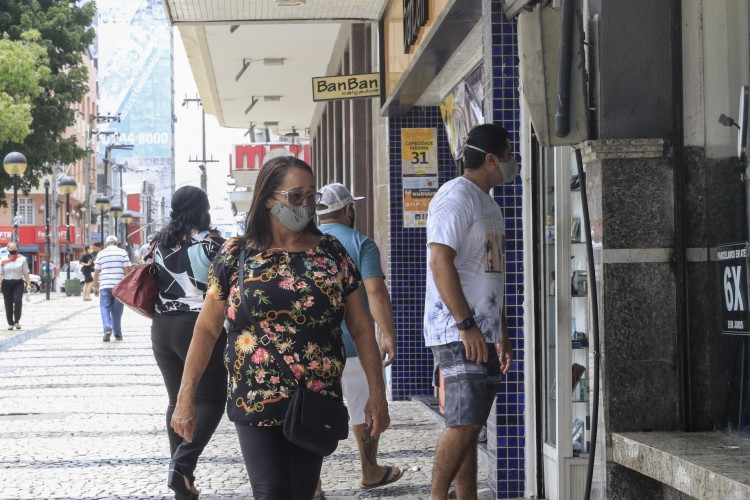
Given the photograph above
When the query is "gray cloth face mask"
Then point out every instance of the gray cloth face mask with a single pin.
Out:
(293, 218)
(508, 169)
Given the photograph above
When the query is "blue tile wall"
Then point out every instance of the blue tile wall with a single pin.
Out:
(502, 99)
(412, 374)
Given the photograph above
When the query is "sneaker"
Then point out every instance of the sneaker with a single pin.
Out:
(10, 327)
(107, 335)
(118, 337)
(18, 326)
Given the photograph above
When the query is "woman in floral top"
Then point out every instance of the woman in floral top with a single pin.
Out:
(299, 286)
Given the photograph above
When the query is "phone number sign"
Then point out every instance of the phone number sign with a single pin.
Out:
(732, 271)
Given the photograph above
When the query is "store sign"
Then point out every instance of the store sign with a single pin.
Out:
(329, 88)
(251, 156)
(37, 234)
(419, 151)
(733, 278)
(419, 173)
(416, 14)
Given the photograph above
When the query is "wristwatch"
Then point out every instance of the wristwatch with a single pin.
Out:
(466, 323)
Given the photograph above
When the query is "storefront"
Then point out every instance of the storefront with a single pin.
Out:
(33, 243)
(445, 69)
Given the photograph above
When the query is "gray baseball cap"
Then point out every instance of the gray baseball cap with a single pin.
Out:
(335, 197)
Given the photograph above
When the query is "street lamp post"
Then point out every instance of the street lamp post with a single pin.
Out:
(15, 165)
(126, 218)
(48, 270)
(115, 211)
(67, 186)
(102, 203)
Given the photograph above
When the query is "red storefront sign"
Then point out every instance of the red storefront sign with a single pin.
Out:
(36, 234)
(251, 155)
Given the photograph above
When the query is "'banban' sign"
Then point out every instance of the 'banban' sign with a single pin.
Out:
(732, 273)
(328, 88)
(416, 14)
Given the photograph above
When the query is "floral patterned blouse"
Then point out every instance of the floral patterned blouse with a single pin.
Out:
(297, 302)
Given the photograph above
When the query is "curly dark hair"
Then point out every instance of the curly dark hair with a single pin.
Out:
(258, 223)
(190, 211)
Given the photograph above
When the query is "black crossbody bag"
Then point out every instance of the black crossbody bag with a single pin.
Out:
(313, 421)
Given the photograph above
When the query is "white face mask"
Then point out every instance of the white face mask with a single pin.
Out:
(508, 169)
(293, 218)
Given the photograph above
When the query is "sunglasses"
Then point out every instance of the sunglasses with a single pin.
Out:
(297, 198)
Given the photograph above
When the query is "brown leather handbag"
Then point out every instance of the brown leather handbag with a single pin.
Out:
(139, 289)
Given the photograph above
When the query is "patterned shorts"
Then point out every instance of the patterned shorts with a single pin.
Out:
(470, 389)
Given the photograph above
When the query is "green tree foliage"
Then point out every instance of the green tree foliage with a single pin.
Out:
(66, 33)
(22, 65)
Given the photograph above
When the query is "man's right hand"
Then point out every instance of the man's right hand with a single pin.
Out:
(475, 345)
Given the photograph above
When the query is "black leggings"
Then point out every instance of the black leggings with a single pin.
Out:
(277, 469)
(13, 297)
(170, 339)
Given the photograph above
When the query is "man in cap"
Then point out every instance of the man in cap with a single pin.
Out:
(110, 267)
(337, 215)
(464, 320)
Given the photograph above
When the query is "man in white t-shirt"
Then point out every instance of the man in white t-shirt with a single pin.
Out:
(464, 324)
(111, 266)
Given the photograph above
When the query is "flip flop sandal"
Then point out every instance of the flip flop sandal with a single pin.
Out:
(387, 479)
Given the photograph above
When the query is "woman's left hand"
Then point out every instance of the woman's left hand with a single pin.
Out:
(377, 418)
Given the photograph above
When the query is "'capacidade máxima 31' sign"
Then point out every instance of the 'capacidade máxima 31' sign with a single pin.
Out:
(732, 267)
(328, 88)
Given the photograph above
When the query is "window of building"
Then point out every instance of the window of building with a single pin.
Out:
(25, 212)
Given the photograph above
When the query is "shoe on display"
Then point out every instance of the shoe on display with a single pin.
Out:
(107, 335)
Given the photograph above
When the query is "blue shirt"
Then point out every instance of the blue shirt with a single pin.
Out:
(366, 256)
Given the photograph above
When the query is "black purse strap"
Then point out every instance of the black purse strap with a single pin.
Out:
(271, 347)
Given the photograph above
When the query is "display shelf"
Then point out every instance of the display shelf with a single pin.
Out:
(566, 315)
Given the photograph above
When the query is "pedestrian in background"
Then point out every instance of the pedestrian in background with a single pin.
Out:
(49, 275)
(14, 279)
(86, 266)
(145, 248)
(110, 267)
(186, 247)
(464, 319)
(298, 286)
(337, 215)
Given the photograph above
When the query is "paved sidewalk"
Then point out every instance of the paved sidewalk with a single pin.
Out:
(84, 419)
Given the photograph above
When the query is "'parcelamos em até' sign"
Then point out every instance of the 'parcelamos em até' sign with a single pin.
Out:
(328, 88)
(732, 267)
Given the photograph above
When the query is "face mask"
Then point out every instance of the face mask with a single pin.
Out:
(13, 252)
(293, 218)
(509, 169)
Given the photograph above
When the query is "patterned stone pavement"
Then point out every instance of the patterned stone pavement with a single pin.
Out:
(84, 419)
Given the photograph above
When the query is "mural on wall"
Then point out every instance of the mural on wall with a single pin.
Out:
(462, 109)
(134, 49)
